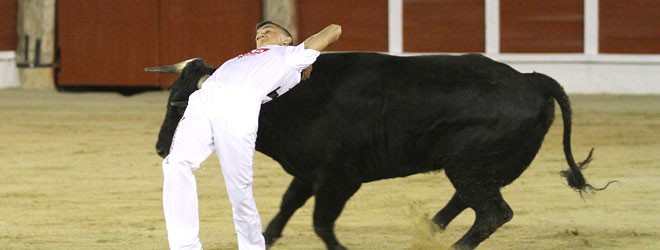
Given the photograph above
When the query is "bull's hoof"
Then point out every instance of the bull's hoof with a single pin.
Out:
(461, 247)
(435, 227)
(270, 240)
(339, 247)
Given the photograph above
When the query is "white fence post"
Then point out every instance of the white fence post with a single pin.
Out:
(8, 70)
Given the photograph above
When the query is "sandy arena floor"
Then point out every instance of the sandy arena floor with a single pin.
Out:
(80, 172)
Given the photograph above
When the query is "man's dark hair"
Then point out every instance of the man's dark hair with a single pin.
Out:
(263, 23)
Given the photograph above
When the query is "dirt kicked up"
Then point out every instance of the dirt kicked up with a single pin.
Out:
(79, 171)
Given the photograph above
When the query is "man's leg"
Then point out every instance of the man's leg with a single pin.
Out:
(235, 148)
(191, 145)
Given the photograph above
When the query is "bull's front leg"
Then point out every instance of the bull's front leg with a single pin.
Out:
(331, 194)
(294, 197)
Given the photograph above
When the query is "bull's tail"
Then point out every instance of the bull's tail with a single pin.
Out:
(573, 175)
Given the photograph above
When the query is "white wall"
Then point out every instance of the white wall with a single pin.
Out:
(599, 78)
(601, 74)
(8, 71)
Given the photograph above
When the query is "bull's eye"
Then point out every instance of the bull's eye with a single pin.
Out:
(179, 107)
(183, 103)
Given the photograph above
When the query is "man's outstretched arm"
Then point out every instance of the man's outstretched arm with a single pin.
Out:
(324, 38)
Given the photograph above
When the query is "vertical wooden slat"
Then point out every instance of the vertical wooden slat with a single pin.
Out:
(215, 31)
(444, 26)
(8, 39)
(540, 26)
(364, 23)
(107, 43)
(631, 26)
(212, 30)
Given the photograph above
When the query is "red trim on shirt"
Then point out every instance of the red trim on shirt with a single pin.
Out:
(254, 52)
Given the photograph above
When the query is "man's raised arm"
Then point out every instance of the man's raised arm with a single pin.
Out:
(324, 38)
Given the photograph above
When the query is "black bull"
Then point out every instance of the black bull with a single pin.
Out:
(363, 117)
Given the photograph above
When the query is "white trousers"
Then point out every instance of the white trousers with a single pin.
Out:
(224, 121)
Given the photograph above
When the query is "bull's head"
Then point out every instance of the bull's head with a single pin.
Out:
(193, 73)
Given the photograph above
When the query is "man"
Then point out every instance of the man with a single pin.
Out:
(222, 117)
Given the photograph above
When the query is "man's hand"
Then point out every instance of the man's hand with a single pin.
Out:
(306, 73)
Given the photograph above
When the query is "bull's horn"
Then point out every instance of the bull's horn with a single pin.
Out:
(201, 81)
(174, 68)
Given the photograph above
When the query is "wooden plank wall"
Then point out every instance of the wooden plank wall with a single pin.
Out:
(540, 26)
(109, 43)
(443, 26)
(103, 43)
(364, 25)
(8, 36)
(631, 26)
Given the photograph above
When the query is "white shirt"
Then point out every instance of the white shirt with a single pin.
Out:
(264, 70)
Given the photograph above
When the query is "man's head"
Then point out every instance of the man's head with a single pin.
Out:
(270, 33)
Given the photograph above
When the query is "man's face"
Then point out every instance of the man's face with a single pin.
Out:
(271, 35)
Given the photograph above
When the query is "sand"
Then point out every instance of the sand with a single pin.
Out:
(80, 172)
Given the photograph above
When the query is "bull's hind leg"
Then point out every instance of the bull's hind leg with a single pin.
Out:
(453, 208)
(483, 195)
(294, 197)
(491, 213)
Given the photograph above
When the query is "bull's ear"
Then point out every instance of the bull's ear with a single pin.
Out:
(174, 68)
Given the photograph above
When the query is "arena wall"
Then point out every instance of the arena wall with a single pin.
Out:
(590, 46)
(618, 51)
